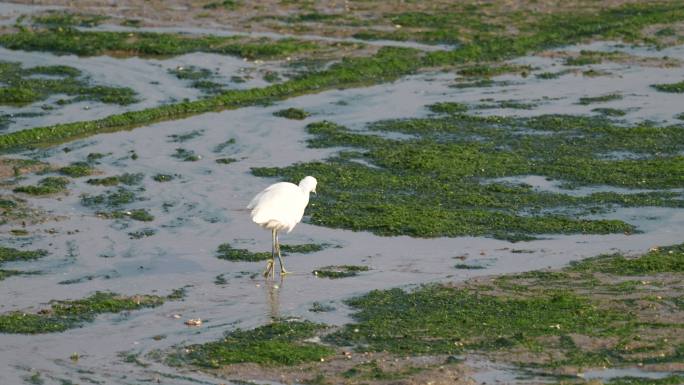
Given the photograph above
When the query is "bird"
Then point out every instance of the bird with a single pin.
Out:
(279, 207)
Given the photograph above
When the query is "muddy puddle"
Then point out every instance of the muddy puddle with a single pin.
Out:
(203, 206)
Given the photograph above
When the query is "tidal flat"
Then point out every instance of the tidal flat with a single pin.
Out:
(500, 200)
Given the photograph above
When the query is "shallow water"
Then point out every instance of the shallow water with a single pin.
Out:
(205, 207)
(149, 78)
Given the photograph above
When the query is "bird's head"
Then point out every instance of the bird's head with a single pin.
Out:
(308, 184)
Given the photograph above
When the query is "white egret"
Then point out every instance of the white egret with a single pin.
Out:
(278, 207)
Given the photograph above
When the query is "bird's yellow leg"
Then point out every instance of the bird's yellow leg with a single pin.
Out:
(280, 258)
(271, 262)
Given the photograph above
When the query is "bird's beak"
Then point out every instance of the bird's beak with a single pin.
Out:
(314, 191)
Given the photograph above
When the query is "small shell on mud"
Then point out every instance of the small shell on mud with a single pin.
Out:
(194, 322)
(176, 316)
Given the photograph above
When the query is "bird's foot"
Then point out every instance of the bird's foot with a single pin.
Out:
(269, 269)
(284, 272)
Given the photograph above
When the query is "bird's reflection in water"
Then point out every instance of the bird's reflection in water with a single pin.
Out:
(273, 289)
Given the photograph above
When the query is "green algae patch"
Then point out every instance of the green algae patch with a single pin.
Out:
(141, 215)
(278, 343)
(465, 266)
(46, 186)
(303, 248)
(9, 254)
(586, 315)
(339, 271)
(8, 273)
(77, 169)
(670, 87)
(163, 178)
(542, 32)
(599, 99)
(441, 181)
(668, 380)
(227, 252)
(115, 198)
(659, 260)
(292, 113)
(444, 320)
(186, 155)
(69, 40)
(609, 111)
(126, 179)
(448, 108)
(64, 315)
(27, 85)
(225, 160)
(552, 75)
(486, 71)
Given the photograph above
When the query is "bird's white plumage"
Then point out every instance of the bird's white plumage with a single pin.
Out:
(281, 205)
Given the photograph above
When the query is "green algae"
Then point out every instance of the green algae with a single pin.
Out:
(514, 104)
(180, 138)
(226, 4)
(387, 64)
(191, 73)
(670, 87)
(227, 252)
(186, 155)
(486, 71)
(436, 182)
(8, 273)
(126, 179)
(303, 248)
(77, 169)
(552, 75)
(438, 316)
(222, 146)
(599, 99)
(163, 177)
(669, 380)
(609, 111)
(143, 233)
(372, 371)
(448, 108)
(226, 160)
(46, 186)
(67, 40)
(318, 307)
(292, 113)
(28, 85)
(339, 271)
(64, 315)
(592, 57)
(141, 215)
(659, 260)
(545, 31)
(278, 343)
(547, 315)
(465, 266)
(9, 254)
(199, 77)
(114, 198)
